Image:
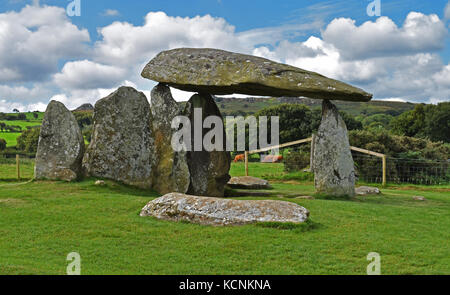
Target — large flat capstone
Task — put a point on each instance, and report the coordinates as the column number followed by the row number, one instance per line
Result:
column 61, row 145
column 219, row 212
column 221, row 72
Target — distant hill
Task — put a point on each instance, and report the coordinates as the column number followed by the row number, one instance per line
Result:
column 250, row 105
column 85, row 107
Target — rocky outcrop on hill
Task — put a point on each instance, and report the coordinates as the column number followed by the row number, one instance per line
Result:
column 84, row 107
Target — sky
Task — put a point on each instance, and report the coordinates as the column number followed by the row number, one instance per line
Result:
column 48, row 52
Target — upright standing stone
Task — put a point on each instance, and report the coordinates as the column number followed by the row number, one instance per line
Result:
column 333, row 166
column 61, row 145
column 208, row 169
column 171, row 171
column 122, row 145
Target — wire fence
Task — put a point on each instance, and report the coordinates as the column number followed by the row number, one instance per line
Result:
column 16, row 167
column 368, row 168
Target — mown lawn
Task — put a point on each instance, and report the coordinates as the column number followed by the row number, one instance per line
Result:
column 41, row 222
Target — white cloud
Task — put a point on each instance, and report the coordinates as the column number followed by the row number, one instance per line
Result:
column 125, row 44
column 346, row 53
column 8, row 107
column 86, row 74
column 33, row 40
column 420, row 33
column 23, row 93
column 391, row 61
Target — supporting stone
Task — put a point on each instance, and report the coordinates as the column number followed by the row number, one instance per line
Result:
column 334, row 172
column 208, row 169
column 122, row 145
column 171, row 173
column 61, row 145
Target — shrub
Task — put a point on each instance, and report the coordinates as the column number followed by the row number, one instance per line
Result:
column 409, row 158
column 296, row 161
column 28, row 140
column 2, row 144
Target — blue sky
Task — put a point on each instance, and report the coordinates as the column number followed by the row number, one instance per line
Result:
column 402, row 55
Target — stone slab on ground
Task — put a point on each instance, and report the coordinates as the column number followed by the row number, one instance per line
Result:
column 221, row 212
column 367, row 190
column 248, row 182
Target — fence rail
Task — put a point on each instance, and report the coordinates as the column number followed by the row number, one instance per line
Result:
column 379, row 168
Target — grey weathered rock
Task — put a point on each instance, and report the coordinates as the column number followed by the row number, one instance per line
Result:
column 419, row 198
column 215, row 211
column 367, row 190
column 171, row 173
column 61, row 145
column 122, row 145
column 248, row 182
column 333, row 166
column 221, row 72
column 100, row 183
column 208, row 169
column 84, row 107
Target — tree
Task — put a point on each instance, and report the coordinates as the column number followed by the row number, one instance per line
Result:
column 35, row 115
column 296, row 120
column 2, row 126
column 350, row 121
column 84, row 119
column 377, row 121
column 28, row 140
column 425, row 121
column 16, row 111
column 438, row 123
column 21, row 116
column 410, row 123
column 2, row 144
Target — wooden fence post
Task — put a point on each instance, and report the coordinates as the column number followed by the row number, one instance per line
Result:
column 384, row 170
column 311, row 158
column 18, row 166
column 246, row 163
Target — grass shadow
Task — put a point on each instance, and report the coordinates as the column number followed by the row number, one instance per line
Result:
column 306, row 226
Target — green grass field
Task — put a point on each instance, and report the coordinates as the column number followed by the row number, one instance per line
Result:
column 11, row 137
column 41, row 222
